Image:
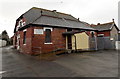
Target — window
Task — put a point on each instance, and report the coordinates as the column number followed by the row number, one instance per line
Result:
column 24, row 37
column 17, row 28
column 119, row 37
column 47, row 36
column 23, row 24
column 20, row 23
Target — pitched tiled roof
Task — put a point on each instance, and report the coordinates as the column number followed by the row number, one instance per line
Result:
column 35, row 13
column 41, row 16
column 61, row 22
column 104, row 27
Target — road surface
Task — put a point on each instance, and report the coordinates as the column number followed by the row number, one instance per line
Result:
column 87, row 64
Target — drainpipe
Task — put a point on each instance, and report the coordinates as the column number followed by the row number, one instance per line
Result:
column 96, row 42
column 75, row 42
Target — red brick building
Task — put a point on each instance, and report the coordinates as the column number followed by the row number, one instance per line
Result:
column 41, row 31
column 107, row 35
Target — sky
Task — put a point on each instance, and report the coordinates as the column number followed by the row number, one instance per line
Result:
column 90, row 11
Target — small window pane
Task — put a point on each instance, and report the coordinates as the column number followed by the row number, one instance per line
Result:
column 48, row 36
column 24, row 37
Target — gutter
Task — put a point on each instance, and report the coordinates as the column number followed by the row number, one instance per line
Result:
column 96, row 43
column 47, row 25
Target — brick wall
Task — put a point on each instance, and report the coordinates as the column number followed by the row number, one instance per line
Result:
column 26, row 48
column 14, row 40
column 36, row 42
column 58, row 40
column 106, row 33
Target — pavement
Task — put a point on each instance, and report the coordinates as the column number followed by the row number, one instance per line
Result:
column 87, row 64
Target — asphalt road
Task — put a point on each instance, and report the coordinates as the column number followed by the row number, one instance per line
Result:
column 87, row 64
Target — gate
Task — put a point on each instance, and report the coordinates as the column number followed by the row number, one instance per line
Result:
column 100, row 43
column 93, row 43
column 105, row 43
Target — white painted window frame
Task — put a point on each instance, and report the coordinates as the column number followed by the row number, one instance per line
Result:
column 48, row 43
column 24, row 31
column 48, row 28
column 51, row 31
column 100, row 35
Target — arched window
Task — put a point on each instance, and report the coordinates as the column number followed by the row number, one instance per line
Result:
column 47, row 36
column 24, row 37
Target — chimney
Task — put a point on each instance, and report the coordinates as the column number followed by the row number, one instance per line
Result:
column 98, row 24
column 54, row 10
column 92, row 25
column 113, row 20
column 78, row 19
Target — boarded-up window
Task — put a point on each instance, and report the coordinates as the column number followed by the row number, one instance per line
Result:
column 24, row 37
column 47, row 36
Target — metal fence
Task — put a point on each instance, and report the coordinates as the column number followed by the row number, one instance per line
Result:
column 105, row 43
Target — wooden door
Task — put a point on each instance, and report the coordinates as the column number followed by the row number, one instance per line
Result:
column 69, row 42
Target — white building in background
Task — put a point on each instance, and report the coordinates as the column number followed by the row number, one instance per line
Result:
column 118, row 42
column 3, row 43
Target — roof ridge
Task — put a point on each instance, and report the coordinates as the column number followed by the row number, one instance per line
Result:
column 40, row 8
column 50, row 10
column 105, row 23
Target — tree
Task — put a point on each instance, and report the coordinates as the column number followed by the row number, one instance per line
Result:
column 4, row 32
column 5, row 36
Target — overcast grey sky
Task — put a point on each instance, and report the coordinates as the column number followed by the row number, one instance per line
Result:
column 91, row 11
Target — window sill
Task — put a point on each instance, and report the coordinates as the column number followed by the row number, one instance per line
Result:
column 48, row 43
column 24, row 44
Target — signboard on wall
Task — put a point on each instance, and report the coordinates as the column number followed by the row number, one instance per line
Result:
column 38, row 31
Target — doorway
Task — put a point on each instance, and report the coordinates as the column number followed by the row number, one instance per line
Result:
column 69, row 42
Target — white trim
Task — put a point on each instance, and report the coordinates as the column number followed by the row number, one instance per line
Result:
column 112, row 26
column 23, row 24
column 48, row 28
column 21, row 20
column 24, row 30
column 48, row 43
column 91, row 32
column 100, row 35
column 24, row 44
column 111, row 39
column 18, row 36
column 20, row 23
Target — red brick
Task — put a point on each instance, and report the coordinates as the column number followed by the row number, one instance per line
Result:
column 35, row 42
